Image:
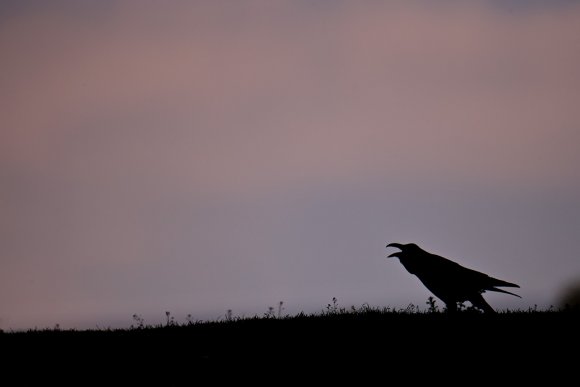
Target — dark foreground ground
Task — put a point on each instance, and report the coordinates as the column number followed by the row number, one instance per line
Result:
column 521, row 346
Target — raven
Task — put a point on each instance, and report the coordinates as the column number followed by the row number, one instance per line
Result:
column 447, row 280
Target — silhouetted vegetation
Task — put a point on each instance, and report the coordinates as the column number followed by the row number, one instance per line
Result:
column 359, row 336
column 331, row 313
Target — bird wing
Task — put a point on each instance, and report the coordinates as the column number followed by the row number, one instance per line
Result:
column 459, row 277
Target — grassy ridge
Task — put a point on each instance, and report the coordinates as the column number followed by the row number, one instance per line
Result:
column 357, row 338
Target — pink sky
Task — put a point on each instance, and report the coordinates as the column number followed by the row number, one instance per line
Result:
column 199, row 157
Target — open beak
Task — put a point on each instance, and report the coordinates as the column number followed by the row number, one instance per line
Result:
column 396, row 245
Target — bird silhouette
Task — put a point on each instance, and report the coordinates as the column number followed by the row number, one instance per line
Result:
column 449, row 281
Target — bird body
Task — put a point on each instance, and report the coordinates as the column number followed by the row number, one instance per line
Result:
column 447, row 280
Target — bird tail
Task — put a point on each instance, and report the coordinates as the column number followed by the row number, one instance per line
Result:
column 506, row 284
column 494, row 289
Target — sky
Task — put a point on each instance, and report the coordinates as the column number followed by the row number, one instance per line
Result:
column 204, row 156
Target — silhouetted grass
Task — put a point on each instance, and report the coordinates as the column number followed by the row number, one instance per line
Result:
column 331, row 314
column 357, row 336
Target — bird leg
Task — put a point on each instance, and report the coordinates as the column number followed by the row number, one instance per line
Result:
column 479, row 302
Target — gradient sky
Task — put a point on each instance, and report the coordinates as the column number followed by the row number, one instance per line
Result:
column 196, row 157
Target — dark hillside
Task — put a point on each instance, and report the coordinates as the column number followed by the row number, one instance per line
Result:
column 534, row 341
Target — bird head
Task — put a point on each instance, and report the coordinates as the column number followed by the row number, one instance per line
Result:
column 406, row 250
